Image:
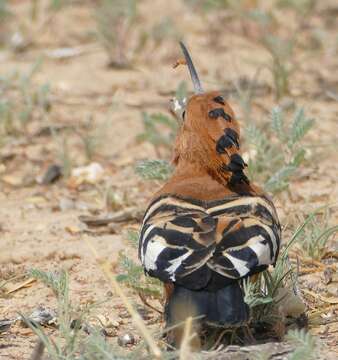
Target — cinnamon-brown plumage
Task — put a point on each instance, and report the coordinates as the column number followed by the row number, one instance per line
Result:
column 208, row 227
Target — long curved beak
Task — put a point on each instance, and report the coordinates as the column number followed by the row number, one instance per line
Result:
column 194, row 77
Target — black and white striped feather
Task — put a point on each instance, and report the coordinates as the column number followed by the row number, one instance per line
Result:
column 197, row 243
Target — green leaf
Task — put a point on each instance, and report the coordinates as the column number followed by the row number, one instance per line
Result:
column 260, row 16
column 306, row 345
column 256, row 137
column 165, row 120
column 277, row 123
column 315, row 233
column 133, row 277
column 298, row 157
column 133, row 237
column 154, row 169
column 4, row 10
column 279, row 48
column 280, row 180
column 299, row 127
column 208, row 5
column 153, row 132
column 57, row 281
column 122, row 277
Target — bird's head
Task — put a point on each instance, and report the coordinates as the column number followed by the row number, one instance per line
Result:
column 209, row 134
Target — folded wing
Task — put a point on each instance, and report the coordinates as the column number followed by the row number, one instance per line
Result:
column 184, row 242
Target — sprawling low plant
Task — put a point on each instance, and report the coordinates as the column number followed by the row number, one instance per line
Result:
column 115, row 20
column 22, row 101
column 277, row 150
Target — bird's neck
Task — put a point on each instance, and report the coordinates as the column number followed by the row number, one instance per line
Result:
column 187, row 169
column 192, row 180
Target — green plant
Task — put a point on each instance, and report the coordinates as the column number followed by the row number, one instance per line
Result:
column 53, row 5
column 132, row 237
column 281, row 67
column 75, row 339
column 93, row 137
column 245, row 91
column 252, row 296
column 70, row 341
column 306, row 345
column 133, row 274
column 315, row 235
column 275, row 153
column 207, row 5
column 154, row 169
column 58, row 4
column 4, row 11
column 66, row 345
column 152, row 132
column 302, row 7
column 163, row 31
column 159, row 130
column 21, row 101
column 281, row 49
column 56, row 281
column 115, row 20
column 263, row 295
column 5, row 17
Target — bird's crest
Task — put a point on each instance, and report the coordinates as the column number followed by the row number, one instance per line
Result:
column 209, row 134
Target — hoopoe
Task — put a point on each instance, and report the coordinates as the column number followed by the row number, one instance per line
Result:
column 208, row 227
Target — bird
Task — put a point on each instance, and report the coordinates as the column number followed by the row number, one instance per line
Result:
column 208, row 227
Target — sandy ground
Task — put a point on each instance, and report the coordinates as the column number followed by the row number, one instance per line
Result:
column 38, row 230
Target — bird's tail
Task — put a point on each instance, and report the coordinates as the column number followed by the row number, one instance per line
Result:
column 223, row 307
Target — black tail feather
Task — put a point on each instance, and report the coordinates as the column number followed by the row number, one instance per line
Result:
column 224, row 307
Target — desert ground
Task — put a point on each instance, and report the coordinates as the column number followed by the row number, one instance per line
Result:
column 67, row 99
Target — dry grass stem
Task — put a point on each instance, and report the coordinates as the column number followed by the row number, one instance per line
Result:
column 185, row 351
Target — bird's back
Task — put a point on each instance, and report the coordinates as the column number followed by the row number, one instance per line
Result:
column 208, row 244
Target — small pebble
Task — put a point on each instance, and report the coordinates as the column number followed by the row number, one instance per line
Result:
column 108, row 321
column 18, row 41
column 42, row 316
column 126, row 339
column 53, row 173
column 327, row 276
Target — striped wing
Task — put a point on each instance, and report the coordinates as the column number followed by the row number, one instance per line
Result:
column 250, row 242
column 177, row 239
column 188, row 242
